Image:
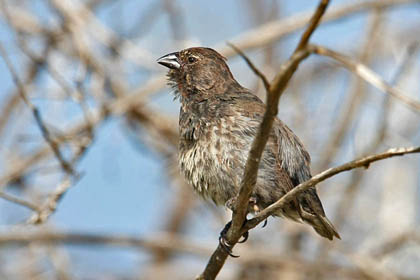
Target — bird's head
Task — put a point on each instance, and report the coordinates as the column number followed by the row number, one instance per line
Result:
column 197, row 71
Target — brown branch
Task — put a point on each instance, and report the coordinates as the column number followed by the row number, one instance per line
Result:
column 352, row 187
column 117, row 107
column 272, row 31
column 176, row 244
column 171, row 243
column 356, row 95
column 372, row 268
column 161, row 241
column 363, row 162
column 218, row 258
column 395, row 244
column 10, row 105
column 247, row 184
column 258, row 145
column 252, row 66
column 76, row 15
column 75, row 94
column 366, row 74
column 19, row 201
column 37, row 115
column 50, row 205
column 313, row 24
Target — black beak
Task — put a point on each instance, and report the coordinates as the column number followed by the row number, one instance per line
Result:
column 170, row 60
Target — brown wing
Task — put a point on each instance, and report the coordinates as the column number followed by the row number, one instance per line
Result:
column 295, row 161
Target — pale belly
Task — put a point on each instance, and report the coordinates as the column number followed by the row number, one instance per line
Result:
column 212, row 168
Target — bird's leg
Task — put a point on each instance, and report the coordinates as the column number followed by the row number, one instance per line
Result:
column 255, row 208
column 252, row 204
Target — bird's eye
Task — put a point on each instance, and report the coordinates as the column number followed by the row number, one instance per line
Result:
column 191, row 59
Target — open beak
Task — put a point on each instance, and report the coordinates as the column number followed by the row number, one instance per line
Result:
column 170, row 60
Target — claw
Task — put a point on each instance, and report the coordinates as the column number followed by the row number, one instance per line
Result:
column 225, row 245
column 245, row 237
column 225, row 229
column 265, row 223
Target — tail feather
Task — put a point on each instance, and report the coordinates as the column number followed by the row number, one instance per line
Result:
column 321, row 225
column 311, row 211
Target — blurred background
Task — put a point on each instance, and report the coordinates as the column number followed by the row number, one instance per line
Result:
column 89, row 183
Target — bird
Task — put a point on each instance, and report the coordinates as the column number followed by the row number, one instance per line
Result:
column 218, row 121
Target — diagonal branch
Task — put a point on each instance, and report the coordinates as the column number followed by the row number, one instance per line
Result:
column 50, row 205
column 273, row 96
column 363, row 162
column 37, row 115
column 249, row 178
column 19, row 201
column 366, row 74
column 313, row 24
column 252, row 66
column 42, row 213
column 272, row 31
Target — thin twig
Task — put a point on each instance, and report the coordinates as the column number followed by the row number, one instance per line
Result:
column 51, row 204
column 271, row 32
column 367, row 74
column 313, row 24
column 37, row 115
column 356, row 95
column 363, row 162
column 350, row 190
column 19, row 201
column 117, row 107
column 395, row 244
column 170, row 243
column 252, row 66
column 351, row 107
column 258, row 145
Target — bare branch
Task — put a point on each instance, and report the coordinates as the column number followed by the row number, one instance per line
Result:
column 252, row 66
column 363, row 162
column 37, row 115
column 313, row 24
column 161, row 241
column 396, row 243
column 116, row 107
column 273, row 31
column 19, row 201
column 276, row 89
column 356, row 93
column 49, row 207
column 368, row 75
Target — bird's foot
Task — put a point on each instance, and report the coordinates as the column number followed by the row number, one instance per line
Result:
column 256, row 208
column 252, row 204
column 225, row 244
